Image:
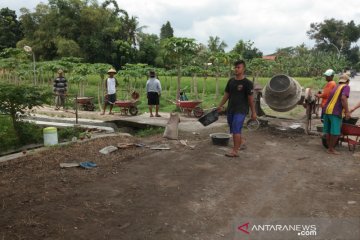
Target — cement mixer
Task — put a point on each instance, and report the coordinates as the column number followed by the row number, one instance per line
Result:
column 282, row 93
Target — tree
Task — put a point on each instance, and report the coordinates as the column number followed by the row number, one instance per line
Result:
column 246, row 50
column 218, row 60
column 215, row 45
column 334, row 35
column 18, row 98
column 180, row 50
column 148, row 48
column 166, row 31
column 10, row 29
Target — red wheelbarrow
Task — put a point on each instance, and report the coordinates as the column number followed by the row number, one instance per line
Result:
column 190, row 106
column 350, row 134
column 129, row 106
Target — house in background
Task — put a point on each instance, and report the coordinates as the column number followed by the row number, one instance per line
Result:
column 271, row 57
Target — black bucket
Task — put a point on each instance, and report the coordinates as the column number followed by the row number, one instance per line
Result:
column 221, row 139
column 352, row 120
column 209, row 118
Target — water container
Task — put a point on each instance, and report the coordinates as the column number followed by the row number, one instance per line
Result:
column 50, row 136
column 282, row 93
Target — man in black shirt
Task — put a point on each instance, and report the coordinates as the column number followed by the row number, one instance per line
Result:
column 239, row 93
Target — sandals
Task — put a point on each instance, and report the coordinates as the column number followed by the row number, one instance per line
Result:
column 231, row 154
column 157, row 115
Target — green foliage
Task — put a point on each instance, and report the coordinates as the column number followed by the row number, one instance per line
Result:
column 215, row 45
column 16, row 98
column 335, row 36
column 246, row 50
column 166, row 31
column 10, row 29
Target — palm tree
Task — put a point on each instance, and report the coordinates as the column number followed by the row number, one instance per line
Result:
column 215, row 45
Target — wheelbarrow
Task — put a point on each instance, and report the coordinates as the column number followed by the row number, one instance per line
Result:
column 86, row 103
column 350, row 134
column 190, row 107
column 129, row 106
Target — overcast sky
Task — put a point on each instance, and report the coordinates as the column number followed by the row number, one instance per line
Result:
column 270, row 24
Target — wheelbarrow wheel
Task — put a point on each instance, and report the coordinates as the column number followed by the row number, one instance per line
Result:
column 133, row 111
column 89, row 107
column 198, row 112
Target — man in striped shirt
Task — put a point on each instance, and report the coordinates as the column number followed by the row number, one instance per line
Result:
column 336, row 106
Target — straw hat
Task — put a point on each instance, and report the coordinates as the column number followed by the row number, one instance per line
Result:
column 60, row 71
column 344, row 78
column 111, row 70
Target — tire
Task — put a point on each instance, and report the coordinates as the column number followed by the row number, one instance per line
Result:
column 133, row 111
column 198, row 112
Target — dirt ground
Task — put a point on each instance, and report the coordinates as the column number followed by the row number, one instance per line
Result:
column 174, row 194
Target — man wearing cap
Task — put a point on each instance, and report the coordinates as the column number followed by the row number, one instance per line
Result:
column 153, row 92
column 330, row 85
column 110, row 86
column 336, row 105
column 60, row 89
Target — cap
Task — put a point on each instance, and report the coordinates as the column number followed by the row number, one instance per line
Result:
column 111, row 70
column 329, row 72
column 344, row 78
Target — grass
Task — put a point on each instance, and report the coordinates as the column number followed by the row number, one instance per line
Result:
column 149, row 131
column 29, row 134
column 169, row 90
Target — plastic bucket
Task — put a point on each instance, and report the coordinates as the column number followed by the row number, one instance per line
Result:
column 209, row 118
column 50, row 136
column 221, row 139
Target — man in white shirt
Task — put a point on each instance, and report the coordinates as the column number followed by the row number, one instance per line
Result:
column 110, row 85
column 153, row 92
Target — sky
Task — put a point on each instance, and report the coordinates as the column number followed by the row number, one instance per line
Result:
column 270, row 24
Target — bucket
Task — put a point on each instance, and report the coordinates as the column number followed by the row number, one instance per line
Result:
column 50, row 136
column 282, row 93
column 221, row 139
column 209, row 118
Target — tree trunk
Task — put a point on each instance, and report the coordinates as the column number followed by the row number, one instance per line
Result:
column 192, row 85
column 204, row 88
column 217, row 85
column 99, row 96
column 196, row 93
column 178, row 82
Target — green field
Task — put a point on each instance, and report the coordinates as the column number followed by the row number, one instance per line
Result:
column 169, row 89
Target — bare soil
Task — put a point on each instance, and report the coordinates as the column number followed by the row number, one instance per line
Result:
column 180, row 193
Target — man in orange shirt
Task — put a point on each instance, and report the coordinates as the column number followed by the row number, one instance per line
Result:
column 331, row 84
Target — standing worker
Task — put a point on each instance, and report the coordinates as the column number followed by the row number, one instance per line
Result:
column 110, row 85
column 239, row 92
column 153, row 92
column 60, row 89
column 330, row 85
column 336, row 105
